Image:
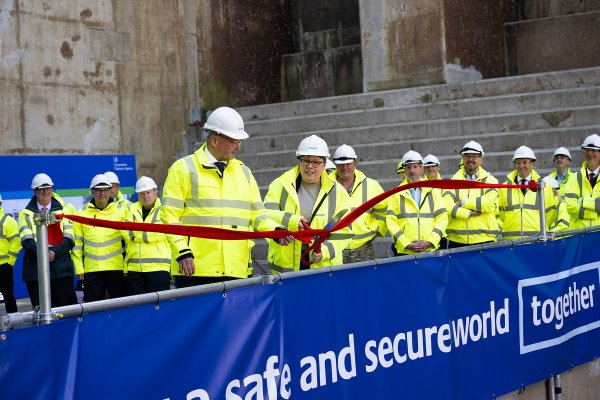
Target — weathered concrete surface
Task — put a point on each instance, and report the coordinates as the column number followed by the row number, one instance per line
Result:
column 553, row 44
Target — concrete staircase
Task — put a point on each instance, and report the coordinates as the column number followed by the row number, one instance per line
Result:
column 542, row 111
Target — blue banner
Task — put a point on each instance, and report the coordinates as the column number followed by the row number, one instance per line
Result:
column 468, row 325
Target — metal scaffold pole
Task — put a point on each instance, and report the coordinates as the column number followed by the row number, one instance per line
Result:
column 44, row 314
column 542, row 203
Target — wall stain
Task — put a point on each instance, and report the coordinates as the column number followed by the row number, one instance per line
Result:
column 66, row 51
column 47, row 71
column 75, row 38
column 85, row 14
column 50, row 119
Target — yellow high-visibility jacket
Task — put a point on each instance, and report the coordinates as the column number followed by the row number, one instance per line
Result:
column 519, row 214
column 482, row 228
column 99, row 249
column 10, row 242
column 283, row 205
column 563, row 184
column 371, row 222
column 120, row 199
column 196, row 194
column 583, row 201
column 408, row 221
column 147, row 251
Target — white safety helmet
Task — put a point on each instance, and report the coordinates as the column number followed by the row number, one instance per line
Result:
column 313, row 146
column 100, row 181
column 412, row 157
column 472, row 147
column 228, row 122
column 430, row 160
column 145, row 183
column 523, row 152
column 344, row 155
column 562, row 151
column 329, row 164
column 550, row 181
column 591, row 142
column 41, row 181
column 112, row 177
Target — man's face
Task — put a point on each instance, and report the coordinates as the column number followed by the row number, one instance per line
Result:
column 561, row 162
column 311, row 168
column 148, row 197
column 346, row 171
column 592, row 158
column 101, row 196
column 472, row 162
column 413, row 172
column 114, row 190
column 224, row 148
column 43, row 195
column 524, row 167
column 431, row 171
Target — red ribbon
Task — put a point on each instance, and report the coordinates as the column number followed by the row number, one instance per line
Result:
column 305, row 235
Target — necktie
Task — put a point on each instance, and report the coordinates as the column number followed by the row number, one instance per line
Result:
column 592, row 179
column 221, row 166
column 523, row 182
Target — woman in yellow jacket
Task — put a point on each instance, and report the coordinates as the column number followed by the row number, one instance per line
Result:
column 306, row 194
column 99, row 252
column 149, row 254
column 416, row 219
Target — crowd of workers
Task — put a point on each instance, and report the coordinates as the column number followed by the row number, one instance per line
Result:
column 212, row 188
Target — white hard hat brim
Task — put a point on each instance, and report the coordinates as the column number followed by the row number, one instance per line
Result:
column 344, row 160
column 239, row 135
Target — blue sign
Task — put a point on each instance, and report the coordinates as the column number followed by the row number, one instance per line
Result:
column 470, row 325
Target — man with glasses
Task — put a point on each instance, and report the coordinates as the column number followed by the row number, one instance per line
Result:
column 99, row 252
column 472, row 212
column 582, row 196
column 307, row 196
column 213, row 189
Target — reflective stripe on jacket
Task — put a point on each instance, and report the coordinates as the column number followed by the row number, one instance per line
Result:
column 283, row 205
column 99, row 249
column 196, row 194
column 10, row 242
column 470, row 230
column 147, row 251
column 408, row 221
column 519, row 213
column 583, row 201
column 371, row 222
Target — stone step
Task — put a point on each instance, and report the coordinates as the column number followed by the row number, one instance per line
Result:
column 467, row 127
column 506, row 104
column 426, row 94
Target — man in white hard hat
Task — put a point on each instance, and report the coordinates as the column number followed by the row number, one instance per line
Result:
column 472, row 212
column 519, row 208
column 581, row 193
column 562, row 160
column 212, row 188
column 98, row 252
column 416, row 218
column 44, row 200
column 307, row 195
column 148, row 261
column 431, row 165
column 360, row 189
column 10, row 245
column 115, row 192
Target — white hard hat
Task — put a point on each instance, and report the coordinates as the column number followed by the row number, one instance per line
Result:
column 524, row 152
column 550, row 181
column 313, row 146
column 591, row 142
column 41, row 181
column 412, row 157
column 561, row 151
column 344, row 155
column 228, row 122
column 430, row 160
column 112, row 177
column 329, row 164
column 145, row 183
column 472, row 147
column 100, row 181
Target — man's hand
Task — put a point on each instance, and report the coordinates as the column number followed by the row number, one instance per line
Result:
column 419, row 246
column 187, row 267
column 284, row 241
column 51, row 255
column 474, row 214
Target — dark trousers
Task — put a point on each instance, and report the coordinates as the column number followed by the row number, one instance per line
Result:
column 148, row 282
column 96, row 284
column 62, row 292
column 455, row 245
column 187, row 281
column 7, row 287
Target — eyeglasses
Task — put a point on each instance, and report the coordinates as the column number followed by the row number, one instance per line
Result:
column 471, row 155
column 230, row 140
column 315, row 164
